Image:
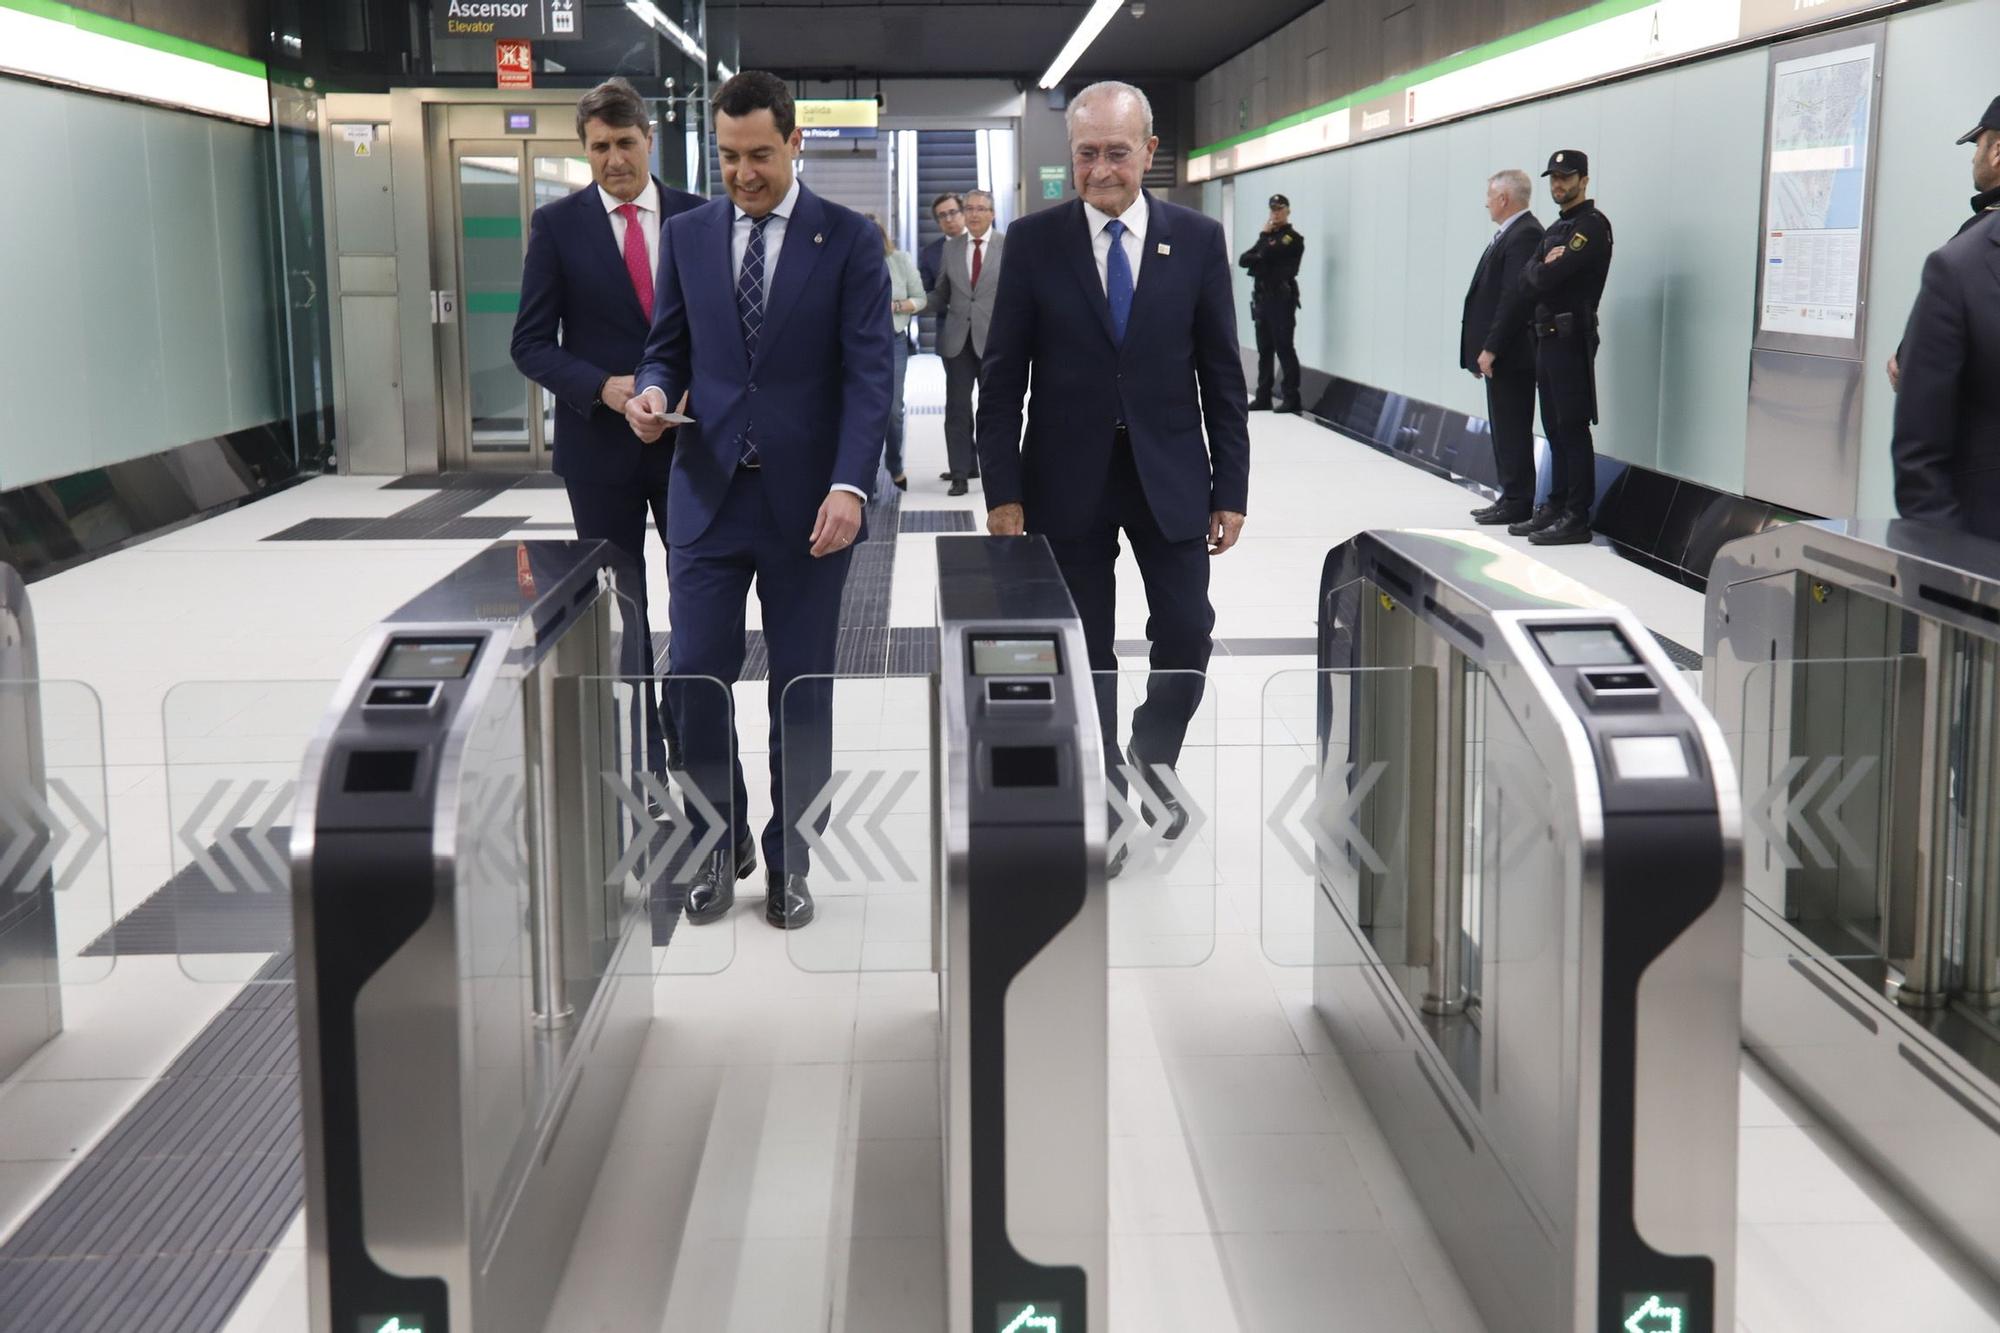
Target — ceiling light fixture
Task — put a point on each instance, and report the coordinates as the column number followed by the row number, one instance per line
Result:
column 724, row 70
column 1079, row 41
column 649, row 13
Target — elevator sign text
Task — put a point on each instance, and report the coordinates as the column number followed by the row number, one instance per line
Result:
column 529, row 20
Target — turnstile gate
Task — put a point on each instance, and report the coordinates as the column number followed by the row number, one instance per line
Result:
column 1022, row 945
column 1527, row 945
column 30, row 986
column 1855, row 666
column 472, row 983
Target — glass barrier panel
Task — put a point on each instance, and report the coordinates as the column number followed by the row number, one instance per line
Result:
column 234, row 751
column 858, row 782
column 1827, row 756
column 1165, row 825
column 57, row 842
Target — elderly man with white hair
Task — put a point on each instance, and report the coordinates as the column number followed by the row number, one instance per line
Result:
column 1119, row 306
column 1494, row 342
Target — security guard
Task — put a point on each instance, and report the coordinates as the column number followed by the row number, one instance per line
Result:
column 1567, row 279
column 1274, row 302
column 1986, row 182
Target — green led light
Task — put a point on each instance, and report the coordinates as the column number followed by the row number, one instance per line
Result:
column 395, row 1323
column 1656, row 1314
column 1027, row 1319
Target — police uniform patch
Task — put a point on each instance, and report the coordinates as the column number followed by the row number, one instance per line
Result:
column 1286, row 241
column 1577, row 241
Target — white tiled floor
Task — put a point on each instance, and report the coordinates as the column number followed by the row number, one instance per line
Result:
column 776, row 1166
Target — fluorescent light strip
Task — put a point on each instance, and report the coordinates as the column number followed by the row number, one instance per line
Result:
column 649, row 12
column 50, row 49
column 724, row 70
column 1079, row 41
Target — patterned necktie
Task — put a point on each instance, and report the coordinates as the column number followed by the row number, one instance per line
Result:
column 750, row 308
column 1118, row 279
column 977, row 254
column 636, row 265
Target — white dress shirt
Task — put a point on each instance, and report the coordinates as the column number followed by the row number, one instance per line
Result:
column 649, row 218
column 1512, row 218
column 1134, row 239
column 774, row 242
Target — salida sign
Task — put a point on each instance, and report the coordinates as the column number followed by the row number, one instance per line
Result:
column 532, row 20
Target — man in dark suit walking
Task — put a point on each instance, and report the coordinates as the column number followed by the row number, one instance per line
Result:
column 1494, row 343
column 773, row 318
column 962, row 298
column 948, row 211
column 1120, row 306
column 586, row 306
column 1946, row 444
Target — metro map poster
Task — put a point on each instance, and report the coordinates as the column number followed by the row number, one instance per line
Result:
column 1816, row 193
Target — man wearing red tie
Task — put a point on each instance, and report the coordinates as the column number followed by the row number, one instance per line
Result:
column 968, row 276
column 586, row 307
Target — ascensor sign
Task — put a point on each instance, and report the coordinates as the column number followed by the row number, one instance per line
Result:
column 536, row 20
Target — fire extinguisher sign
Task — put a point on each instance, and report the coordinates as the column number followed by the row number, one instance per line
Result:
column 514, row 60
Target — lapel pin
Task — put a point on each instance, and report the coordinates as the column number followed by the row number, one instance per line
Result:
column 1166, row 249
column 818, row 238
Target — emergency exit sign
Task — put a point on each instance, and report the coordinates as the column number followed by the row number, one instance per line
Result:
column 514, row 63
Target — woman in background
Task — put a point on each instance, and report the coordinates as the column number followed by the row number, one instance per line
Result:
column 906, row 298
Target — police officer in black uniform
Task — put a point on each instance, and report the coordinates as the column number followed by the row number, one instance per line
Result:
column 1986, row 181
column 1567, row 280
column 1274, row 302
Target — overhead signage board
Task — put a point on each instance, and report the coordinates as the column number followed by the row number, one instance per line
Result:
column 838, row 117
column 491, row 20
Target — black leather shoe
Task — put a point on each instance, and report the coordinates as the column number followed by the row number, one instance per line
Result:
column 944, row 476
column 958, row 487
column 1177, row 815
column 788, row 904
column 1508, row 514
column 713, row 892
column 902, row 482
column 1570, row 530
column 1260, row 404
column 1288, row 410
column 1534, row 522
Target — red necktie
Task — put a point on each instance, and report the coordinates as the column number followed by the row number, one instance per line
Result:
column 977, row 255
column 636, row 265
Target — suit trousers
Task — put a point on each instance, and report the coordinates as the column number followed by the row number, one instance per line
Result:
column 617, row 514
column 1179, row 617
column 1276, row 330
column 1565, row 372
column 961, row 377
column 800, row 600
column 1510, row 412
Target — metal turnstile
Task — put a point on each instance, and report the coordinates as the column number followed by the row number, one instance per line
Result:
column 1856, row 667
column 1022, row 941
column 473, row 984
column 30, row 985
column 1527, row 946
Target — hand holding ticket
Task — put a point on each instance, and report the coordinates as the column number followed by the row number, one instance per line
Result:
column 648, row 416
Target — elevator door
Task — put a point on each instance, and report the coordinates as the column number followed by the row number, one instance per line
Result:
column 494, row 416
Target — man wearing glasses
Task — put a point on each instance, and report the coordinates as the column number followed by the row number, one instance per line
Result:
column 962, row 298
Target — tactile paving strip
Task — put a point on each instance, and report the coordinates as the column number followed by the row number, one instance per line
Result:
column 937, row 520
column 163, row 1225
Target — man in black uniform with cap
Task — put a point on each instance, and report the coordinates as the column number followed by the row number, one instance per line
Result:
column 1274, row 302
column 1567, row 280
column 1986, row 200
column 1946, row 444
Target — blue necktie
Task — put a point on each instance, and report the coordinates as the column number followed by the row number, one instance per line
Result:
column 750, row 309
column 1118, row 279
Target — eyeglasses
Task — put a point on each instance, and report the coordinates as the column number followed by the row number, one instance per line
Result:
column 979, row 208
column 1090, row 157
column 944, row 213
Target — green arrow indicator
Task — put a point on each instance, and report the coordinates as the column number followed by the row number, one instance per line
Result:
column 1655, row 1316
column 1029, row 1322
column 395, row 1325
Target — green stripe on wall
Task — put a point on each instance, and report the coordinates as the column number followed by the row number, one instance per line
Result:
column 138, row 36
column 1541, row 32
column 492, row 228
column 493, row 303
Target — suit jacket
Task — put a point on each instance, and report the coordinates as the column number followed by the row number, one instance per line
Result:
column 1178, row 369
column 1947, row 438
column 1498, row 303
column 817, row 394
column 967, row 310
column 580, row 322
column 929, row 259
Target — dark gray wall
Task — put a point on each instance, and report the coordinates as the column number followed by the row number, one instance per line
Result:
column 1340, row 46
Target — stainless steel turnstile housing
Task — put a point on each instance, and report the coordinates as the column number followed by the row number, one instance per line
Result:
column 1022, row 941
column 1532, row 968
column 1857, row 665
column 30, row 987
column 473, row 986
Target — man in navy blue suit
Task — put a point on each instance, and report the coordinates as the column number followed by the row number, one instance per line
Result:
column 586, row 306
column 773, row 319
column 1119, row 304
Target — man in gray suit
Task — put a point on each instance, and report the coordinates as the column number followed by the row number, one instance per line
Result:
column 968, row 278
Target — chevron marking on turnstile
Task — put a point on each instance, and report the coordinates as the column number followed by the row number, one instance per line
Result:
column 648, row 826
column 1135, row 830
column 1029, row 1322
column 1329, row 818
column 841, row 823
column 268, row 872
column 497, row 847
column 1780, row 811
